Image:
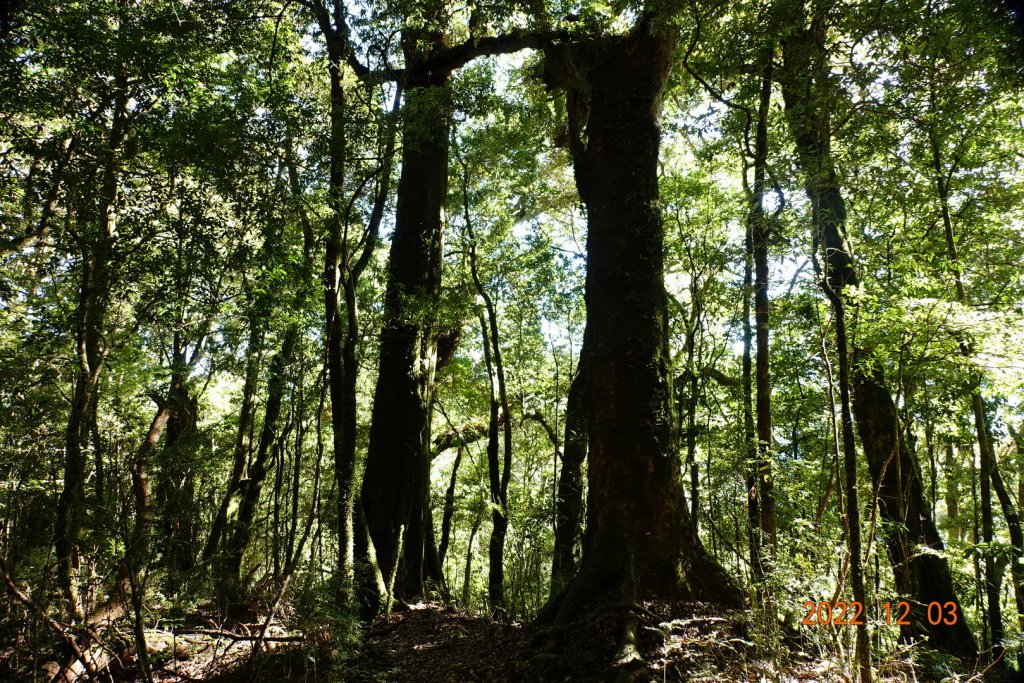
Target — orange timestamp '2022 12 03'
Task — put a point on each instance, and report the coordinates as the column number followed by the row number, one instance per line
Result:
column 852, row 613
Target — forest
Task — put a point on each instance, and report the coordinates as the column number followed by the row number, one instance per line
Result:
column 511, row 340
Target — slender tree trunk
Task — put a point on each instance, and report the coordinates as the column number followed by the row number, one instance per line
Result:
column 569, row 504
column 985, row 475
column 803, row 89
column 136, row 553
column 449, row 508
column 499, row 473
column 243, row 439
column 986, row 449
column 1016, row 540
column 692, row 400
column 334, row 316
column 640, row 540
column 951, row 469
column 468, row 574
column 499, row 525
column 760, row 233
column 749, row 435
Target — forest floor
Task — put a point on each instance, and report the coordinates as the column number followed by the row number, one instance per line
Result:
column 434, row 643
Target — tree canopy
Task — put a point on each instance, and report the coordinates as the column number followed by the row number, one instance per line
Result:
column 596, row 340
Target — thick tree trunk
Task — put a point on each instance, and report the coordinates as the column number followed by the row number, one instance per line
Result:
column 569, row 505
column 639, row 540
column 396, row 483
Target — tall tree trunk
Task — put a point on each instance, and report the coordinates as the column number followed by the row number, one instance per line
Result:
column 343, row 266
column 749, row 435
column 639, row 540
column 499, row 472
column 569, row 505
column 94, row 298
column 803, row 90
column 396, row 483
column 334, row 318
column 760, row 498
column 760, row 234
column 924, row 577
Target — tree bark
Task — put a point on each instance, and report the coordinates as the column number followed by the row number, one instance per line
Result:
column 760, row 234
column 97, row 246
column 395, row 490
column 569, row 505
column 639, row 540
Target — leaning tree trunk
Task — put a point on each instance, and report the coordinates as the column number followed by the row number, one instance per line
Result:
column 396, row 483
column 914, row 545
column 921, row 576
column 639, row 541
column 238, row 531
